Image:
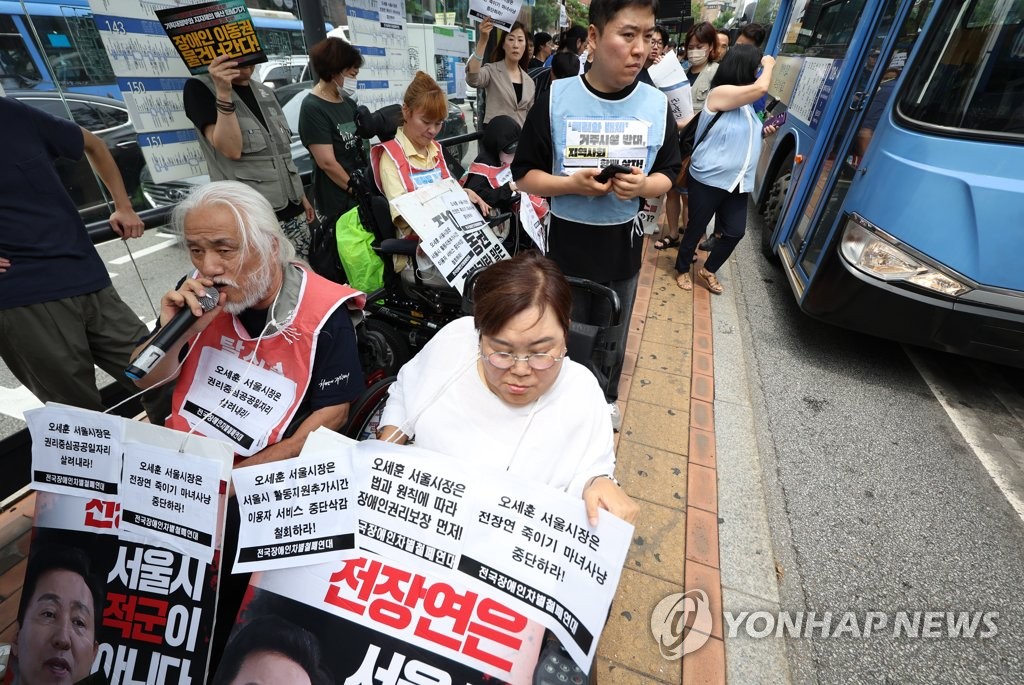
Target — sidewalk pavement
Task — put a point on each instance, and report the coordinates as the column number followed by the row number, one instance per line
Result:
column 702, row 523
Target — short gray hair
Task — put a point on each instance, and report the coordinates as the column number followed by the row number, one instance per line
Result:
column 257, row 223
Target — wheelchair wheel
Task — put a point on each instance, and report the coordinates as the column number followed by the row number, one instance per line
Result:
column 364, row 415
column 387, row 349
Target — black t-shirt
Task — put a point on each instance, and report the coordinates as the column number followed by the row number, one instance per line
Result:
column 42, row 234
column 332, row 123
column 599, row 253
column 201, row 109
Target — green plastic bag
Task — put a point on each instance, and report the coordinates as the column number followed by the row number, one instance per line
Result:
column 363, row 266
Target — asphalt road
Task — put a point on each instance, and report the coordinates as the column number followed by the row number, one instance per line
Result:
column 883, row 489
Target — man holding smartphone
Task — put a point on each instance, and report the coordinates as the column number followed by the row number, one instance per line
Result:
column 589, row 122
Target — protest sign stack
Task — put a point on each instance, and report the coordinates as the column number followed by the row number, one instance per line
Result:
column 424, row 568
column 451, row 573
column 148, row 519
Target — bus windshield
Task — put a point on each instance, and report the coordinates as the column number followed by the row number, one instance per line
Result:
column 821, row 29
column 970, row 75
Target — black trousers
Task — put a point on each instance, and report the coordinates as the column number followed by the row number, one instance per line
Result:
column 729, row 209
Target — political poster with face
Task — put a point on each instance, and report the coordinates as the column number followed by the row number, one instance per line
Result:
column 137, row 606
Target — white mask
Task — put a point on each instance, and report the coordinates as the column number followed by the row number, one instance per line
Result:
column 697, row 57
column 506, row 158
column 347, row 88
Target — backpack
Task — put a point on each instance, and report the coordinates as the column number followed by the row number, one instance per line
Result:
column 323, row 251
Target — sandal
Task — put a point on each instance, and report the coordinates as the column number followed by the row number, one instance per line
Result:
column 712, row 281
column 708, row 243
column 684, row 282
column 666, row 242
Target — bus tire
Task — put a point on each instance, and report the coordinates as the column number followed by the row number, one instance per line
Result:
column 387, row 349
column 773, row 205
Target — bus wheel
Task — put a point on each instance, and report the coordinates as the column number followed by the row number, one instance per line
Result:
column 773, row 205
column 387, row 349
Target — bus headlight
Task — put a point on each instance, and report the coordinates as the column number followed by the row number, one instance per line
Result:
column 869, row 253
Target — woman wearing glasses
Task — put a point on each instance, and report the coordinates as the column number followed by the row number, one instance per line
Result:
column 497, row 388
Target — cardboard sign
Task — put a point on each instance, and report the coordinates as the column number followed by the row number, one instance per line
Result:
column 297, row 512
column 495, row 531
column 202, row 32
column 670, row 78
column 502, row 12
column 75, row 451
column 452, row 233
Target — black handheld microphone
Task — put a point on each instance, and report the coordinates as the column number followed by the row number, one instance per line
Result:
column 168, row 335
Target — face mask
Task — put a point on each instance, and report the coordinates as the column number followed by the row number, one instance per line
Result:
column 506, row 158
column 347, row 88
column 697, row 57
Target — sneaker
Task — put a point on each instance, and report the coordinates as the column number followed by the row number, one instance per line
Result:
column 616, row 416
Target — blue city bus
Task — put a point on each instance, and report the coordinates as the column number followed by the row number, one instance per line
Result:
column 893, row 192
column 49, row 43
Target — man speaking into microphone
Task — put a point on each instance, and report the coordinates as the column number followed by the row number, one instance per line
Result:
column 274, row 359
column 276, row 355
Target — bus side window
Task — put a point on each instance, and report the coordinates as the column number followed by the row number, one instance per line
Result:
column 17, row 70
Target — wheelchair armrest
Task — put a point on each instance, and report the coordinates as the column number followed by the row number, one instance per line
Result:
column 400, row 246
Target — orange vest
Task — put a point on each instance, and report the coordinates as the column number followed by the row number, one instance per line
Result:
column 252, row 404
column 409, row 174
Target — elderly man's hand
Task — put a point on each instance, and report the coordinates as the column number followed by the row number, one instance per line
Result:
column 188, row 295
column 603, row 493
column 5, row 264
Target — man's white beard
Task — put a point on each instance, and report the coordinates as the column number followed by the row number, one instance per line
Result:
column 255, row 290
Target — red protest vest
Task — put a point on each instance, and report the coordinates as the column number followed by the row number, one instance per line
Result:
column 252, row 413
column 405, row 168
column 487, row 171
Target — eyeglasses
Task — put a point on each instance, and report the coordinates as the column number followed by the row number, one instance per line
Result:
column 539, row 361
column 656, row 42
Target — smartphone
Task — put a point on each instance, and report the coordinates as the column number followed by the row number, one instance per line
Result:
column 610, row 171
column 775, row 120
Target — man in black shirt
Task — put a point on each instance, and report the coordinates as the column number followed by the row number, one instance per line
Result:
column 593, row 224
column 245, row 137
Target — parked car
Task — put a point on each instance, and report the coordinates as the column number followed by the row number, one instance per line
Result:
column 290, row 98
column 281, row 71
column 109, row 120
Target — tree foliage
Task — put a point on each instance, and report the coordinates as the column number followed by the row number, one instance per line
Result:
column 722, row 19
column 545, row 16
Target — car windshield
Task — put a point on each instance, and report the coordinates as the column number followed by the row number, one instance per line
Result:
column 970, row 74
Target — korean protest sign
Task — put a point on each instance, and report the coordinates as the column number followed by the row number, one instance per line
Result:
column 202, row 32
column 649, row 214
column 596, row 143
column 75, row 451
column 670, row 77
column 502, row 12
column 297, row 511
column 153, row 603
column 534, row 225
column 497, row 532
column 451, row 230
column 393, row 624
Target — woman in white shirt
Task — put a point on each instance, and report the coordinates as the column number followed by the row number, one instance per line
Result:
column 498, row 388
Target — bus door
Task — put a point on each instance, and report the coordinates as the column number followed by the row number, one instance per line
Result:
column 873, row 87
